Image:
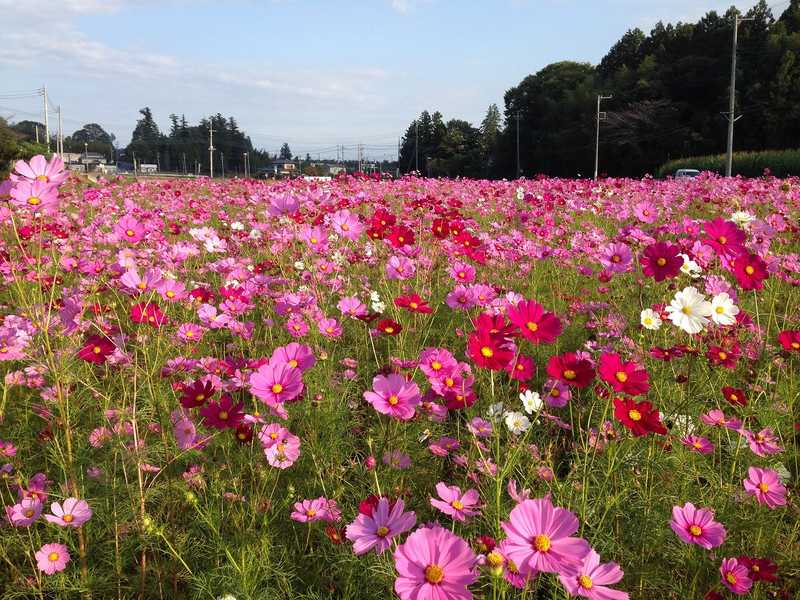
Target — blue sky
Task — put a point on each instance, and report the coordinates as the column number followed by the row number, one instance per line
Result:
column 311, row 72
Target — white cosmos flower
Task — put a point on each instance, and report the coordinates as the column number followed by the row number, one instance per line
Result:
column 690, row 268
column 255, row 234
column 299, row 265
column 689, row 310
column 495, row 410
column 378, row 307
column 650, row 319
column 517, row 422
column 742, row 218
column 531, row 401
column 723, row 310
column 237, row 226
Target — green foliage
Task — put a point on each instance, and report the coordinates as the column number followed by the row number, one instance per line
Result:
column 780, row 163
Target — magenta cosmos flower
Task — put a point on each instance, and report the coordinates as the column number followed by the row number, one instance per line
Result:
column 766, row 486
column 52, row 558
column 35, row 196
column 73, row 513
column 762, row 443
column 308, row 511
column 697, row 526
column 394, row 396
column 297, row 356
column 377, row 529
column 276, row 383
column 735, row 576
column 129, row 229
column 39, row 169
column 24, row 513
column 454, row 503
column 592, row 579
column 434, row 564
column 281, row 447
column 539, row 538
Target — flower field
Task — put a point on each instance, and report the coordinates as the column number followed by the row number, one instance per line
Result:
column 424, row 389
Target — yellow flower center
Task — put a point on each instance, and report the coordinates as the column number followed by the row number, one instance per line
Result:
column 555, row 393
column 68, row 518
column 723, row 355
column 457, row 504
column 223, row 415
column 532, row 326
column 389, row 329
column 130, row 233
column 311, row 512
column 29, row 513
column 141, row 285
column 621, row 376
column 170, row 294
column 276, row 388
column 570, row 374
column 449, row 382
column 436, row 365
column 795, row 345
column 487, row 352
column 314, row 240
column 661, row 261
column 273, row 435
column 722, row 239
column 541, row 543
column 634, row 415
column 749, row 270
column 695, row 530
column 52, row 557
column 763, row 487
column 382, row 531
column 189, row 333
column 434, row 574
column 731, row 578
column 494, row 559
column 585, row 582
column 615, row 258
column 43, row 178
column 292, row 363
column 34, row 201
column 414, row 305
column 329, row 330
column 720, row 310
column 393, row 399
column 97, row 349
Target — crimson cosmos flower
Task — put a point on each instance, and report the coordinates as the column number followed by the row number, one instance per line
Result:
column 638, row 417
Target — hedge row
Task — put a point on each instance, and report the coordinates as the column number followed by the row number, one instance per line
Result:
column 781, row 163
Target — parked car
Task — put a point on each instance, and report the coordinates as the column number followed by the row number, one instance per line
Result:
column 683, row 173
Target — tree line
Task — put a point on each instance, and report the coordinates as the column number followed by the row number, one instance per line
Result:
column 670, row 89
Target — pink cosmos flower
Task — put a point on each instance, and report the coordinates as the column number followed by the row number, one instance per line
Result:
column 697, row 526
column 394, row 396
column 308, row 511
column 73, row 513
column 717, row 418
column 399, row 268
column 434, row 564
column 616, row 258
column 454, row 503
column 185, row 433
column 171, row 290
column 463, row 272
column 275, row 384
column 517, row 495
column 375, row 531
column 437, row 363
column 52, row 558
column 35, row 196
column 762, row 443
column 698, row 443
column 129, row 229
column 296, row 356
column 556, row 393
column 347, row 224
column 397, row 460
column 352, row 306
column 50, row 172
column 329, row 328
column 591, row 580
column 281, row 447
column 480, row 427
column 315, row 237
column 189, row 332
column 766, row 486
column 735, row 576
column 24, row 513
column 539, row 537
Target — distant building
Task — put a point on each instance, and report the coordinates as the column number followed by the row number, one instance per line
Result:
column 334, row 170
column 146, row 168
column 282, row 168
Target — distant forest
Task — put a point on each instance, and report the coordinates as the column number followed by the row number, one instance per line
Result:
column 670, row 89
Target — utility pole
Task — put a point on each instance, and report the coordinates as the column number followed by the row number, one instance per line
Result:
column 222, row 163
column 184, row 163
column 46, row 120
column 60, row 142
column 37, row 133
column 600, row 98
column 732, row 104
column 244, row 155
column 519, row 170
column 211, row 149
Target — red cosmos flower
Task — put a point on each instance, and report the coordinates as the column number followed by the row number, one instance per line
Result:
column 414, row 303
column 223, row 414
column 369, row 504
column 457, row 400
column 639, row 417
column 790, row 340
column 201, row 294
column 661, row 261
column 726, row 357
column 196, row 394
column 440, row 228
column 400, row 236
column 336, row 536
column 522, row 369
column 382, row 219
column 761, row 569
column 244, row 433
column 628, row 378
column 149, row 313
column 495, row 325
column 569, row 369
column 484, row 544
column 724, row 236
column 389, row 327
column 96, row 349
column 534, row 323
column 488, row 351
column 735, row 396
column 467, row 240
column 750, row 271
